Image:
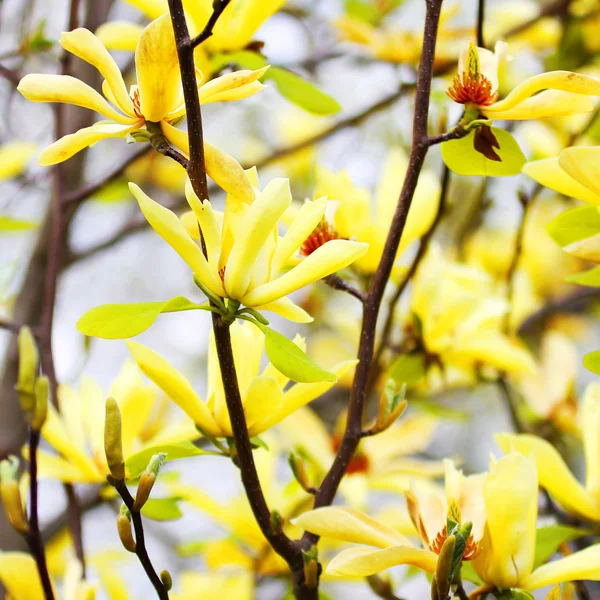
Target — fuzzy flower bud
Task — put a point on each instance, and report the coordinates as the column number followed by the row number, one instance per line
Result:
column 147, row 480
column 124, row 529
column 40, row 411
column 11, row 494
column 29, row 360
column 113, row 445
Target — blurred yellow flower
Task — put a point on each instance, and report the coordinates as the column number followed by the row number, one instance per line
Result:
column 156, row 99
column 214, row 586
column 77, row 432
column 357, row 218
column 14, row 157
column 245, row 252
column 265, row 397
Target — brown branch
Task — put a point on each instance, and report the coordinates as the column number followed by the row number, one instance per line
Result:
column 218, row 7
column 480, row 23
column 337, row 283
column 550, row 10
column 167, row 150
column 353, row 431
column 10, row 75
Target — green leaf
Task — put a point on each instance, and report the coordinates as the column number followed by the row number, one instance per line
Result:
column 137, row 463
column 291, row 361
column 438, row 410
column 258, row 442
column 10, row 225
column 591, row 361
column 38, row 42
column 162, row 509
column 363, row 11
column 407, row 368
column 461, row 157
column 550, row 537
column 120, row 321
column 590, row 278
column 468, row 572
column 575, row 225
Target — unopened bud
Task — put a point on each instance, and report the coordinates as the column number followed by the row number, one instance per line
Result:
column 113, row 446
column 381, row 585
column 147, row 480
column 434, row 588
column 391, row 405
column 124, row 529
column 276, row 521
column 311, row 574
column 296, row 463
column 11, row 494
column 444, row 566
column 29, row 360
column 166, row 579
column 40, row 412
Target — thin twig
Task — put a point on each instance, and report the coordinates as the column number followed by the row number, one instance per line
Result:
column 353, row 431
column 10, row 325
column 480, row 23
column 337, row 283
column 10, row 75
column 167, row 150
column 218, row 7
column 140, row 540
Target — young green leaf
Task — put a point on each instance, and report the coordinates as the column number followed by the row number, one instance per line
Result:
column 121, row 321
column 407, row 368
column 461, row 156
column 550, row 538
column 591, row 361
column 289, row 360
column 577, row 231
column 590, row 278
column 162, row 509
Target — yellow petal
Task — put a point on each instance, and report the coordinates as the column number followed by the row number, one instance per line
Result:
column 157, row 67
column 581, row 163
column 84, row 44
column 262, row 397
column 508, row 545
column 549, row 173
column 20, row 577
column 362, row 562
column 582, row 565
column 590, row 425
column 55, row 467
column 227, row 173
column 554, row 80
column 68, row 90
column 285, row 308
column 232, row 86
column 304, row 223
column 554, row 474
column 301, row 394
column 168, row 226
column 14, row 157
column 174, row 384
column 151, row 8
column 112, row 583
column 69, row 145
column 202, row 502
column 350, row 525
column 259, row 224
column 329, row 258
column 120, row 35
column 587, row 248
column 549, row 103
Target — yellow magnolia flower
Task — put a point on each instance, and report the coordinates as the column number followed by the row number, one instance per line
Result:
column 266, row 399
column 77, row 432
column 14, row 157
column 561, row 93
column 554, row 473
column 234, row 29
column 19, row 576
column 502, row 506
column 385, row 461
column 357, row 218
column 214, row 586
column 156, row 99
column 158, row 170
column 461, row 317
column 245, row 252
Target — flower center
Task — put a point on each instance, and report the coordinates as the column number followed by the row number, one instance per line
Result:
column 473, row 88
column 321, row 234
column 359, row 463
column 472, row 549
column 135, row 98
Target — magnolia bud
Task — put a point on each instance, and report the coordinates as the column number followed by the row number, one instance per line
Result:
column 434, row 588
column 11, row 494
column 113, row 446
column 124, row 529
column 444, row 566
column 29, row 360
column 166, row 579
column 391, row 405
column 296, row 463
column 147, row 480
column 40, row 412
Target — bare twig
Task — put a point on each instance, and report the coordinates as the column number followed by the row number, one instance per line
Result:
column 218, row 7
column 337, row 283
column 10, row 75
column 480, row 23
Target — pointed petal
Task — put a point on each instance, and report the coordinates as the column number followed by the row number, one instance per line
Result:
column 262, row 397
column 174, row 384
column 582, row 565
column 549, row 173
column 581, row 163
column 168, row 226
column 202, row 502
column 329, row 258
column 120, row 35
column 554, row 80
column 259, row 224
column 232, row 86
column 20, row 577
column 590, row 424
column 349, row 525
column 57, row 468
column 151, row 8
column 68, row 90
column 157, row 67
column 554, row 474
column 546, row 104
column 362, row 562
column 285, row 308
column 14, row 158
column 69, row 145
column 85, row 45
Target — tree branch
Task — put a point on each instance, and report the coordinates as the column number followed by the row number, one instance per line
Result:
column 337, row 283
column 353, row 431
column 218, row 7
column 480, row 22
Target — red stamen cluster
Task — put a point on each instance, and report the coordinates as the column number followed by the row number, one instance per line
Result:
column 137, row 109
column 474, row 89
column 472, row 549
column 359, row 463
column 321, row 234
